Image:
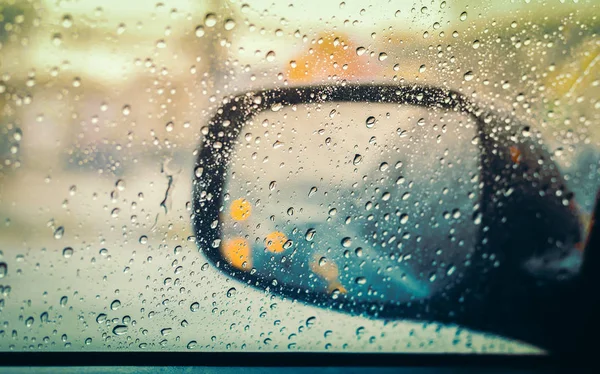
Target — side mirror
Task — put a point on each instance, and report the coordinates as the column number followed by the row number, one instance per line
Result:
column 396, row 202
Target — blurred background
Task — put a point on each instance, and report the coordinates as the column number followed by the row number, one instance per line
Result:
column 103, row 105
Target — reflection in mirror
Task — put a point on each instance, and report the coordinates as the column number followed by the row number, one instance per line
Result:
column 363, row 202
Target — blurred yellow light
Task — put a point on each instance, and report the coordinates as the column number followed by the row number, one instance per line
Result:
column 237, row 253
column 241, row 209
column 275, row 241
column 332, row 55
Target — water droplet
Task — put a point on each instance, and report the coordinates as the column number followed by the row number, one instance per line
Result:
column 477, row 216
column 198, row 171
column 210, row 20
column 476, row 44
column 361, row 280
column 199, row 31
column 115, row 212
column 370, row 122
column 270, row 56
column 322, row 261
column 229, row 24
column 360, row 51
column 312, row 191
column 63, row 301
column 360, row 331
column 468, row 76
column 169, row 126
column 143, row 239
column 120, row 184
column 116, row 304
column 166, row 331
column 67, row 252
column 357, row 159
column 57, row 39
column 126, row 110
column 463, row 16
column 59, row 232
column 231, row 292
column 29, row 322
column 421, row 122
column 194, row 307
column 310, row 234
column 120, row 330
column 451, row 270
column 346, row 242
column 88, row 341
column 404, row 218
column 67, row 21
column 101, row 318
column 383, row 56
column 192, row 344
column 290, row 211
column 310, row 321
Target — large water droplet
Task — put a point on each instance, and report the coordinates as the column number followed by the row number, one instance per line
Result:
column 116, row 304
column 210, row 20
column 192, row 344
column 231, row 292
column 166, row 331
column 3, row 269
column 67, row 21
column 120, row 330
column 229, row 24
column 59, row 232
column 370, row 122
column 310, row 234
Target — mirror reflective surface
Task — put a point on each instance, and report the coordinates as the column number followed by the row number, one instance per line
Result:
column 363, row 202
